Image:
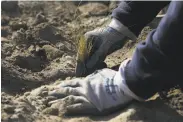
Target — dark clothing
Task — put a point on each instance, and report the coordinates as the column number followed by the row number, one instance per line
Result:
column 137, row 14
column 156, row 62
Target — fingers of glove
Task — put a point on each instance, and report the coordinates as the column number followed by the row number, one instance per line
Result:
column 71, row 83
column 69, row 100
column 58, row 93
column 63, row 92
column 94, row 32
column 85, row 108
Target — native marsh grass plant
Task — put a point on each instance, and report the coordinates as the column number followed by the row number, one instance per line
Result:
column 84, row 49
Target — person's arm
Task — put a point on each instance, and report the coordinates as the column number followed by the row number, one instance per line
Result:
column 128, row 20
column 157, row 61
column 137, row 14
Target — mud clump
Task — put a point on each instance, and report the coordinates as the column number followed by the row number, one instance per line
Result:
column 48, row 33
column 29, row 62
column 52, row 52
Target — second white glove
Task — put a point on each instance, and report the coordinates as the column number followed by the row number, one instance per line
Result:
column 103, row 91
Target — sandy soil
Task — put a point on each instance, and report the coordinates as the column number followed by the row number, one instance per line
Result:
column 38, row 51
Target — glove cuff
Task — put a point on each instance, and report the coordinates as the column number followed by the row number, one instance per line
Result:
column 120, row 78
column 117, row 25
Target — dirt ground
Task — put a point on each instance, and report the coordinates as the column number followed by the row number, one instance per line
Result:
column 38, row 51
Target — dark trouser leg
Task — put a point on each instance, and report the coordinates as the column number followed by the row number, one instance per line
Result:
column 137, row 14
column 158, row 61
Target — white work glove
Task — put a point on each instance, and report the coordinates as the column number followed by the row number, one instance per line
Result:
column 108, row 40
column 102, row 92
column 104, row 41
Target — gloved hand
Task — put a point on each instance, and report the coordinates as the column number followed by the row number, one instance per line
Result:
column 103, row 41
column 100, row 43
column 102, row 92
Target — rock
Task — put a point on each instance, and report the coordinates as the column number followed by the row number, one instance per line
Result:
column 93, row 9
column 52, row 52
column 17, row 25
column 51, row 111
column 9, row 6
column 9, row 108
